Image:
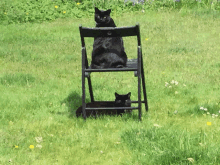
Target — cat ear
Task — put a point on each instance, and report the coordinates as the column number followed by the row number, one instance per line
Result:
column 108, row 11
column 129, row 94
column 96, row 10
column 116, row 95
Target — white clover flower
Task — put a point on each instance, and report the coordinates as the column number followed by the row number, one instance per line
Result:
column 201, row 108
column 176, row 83
column 156, row 125
column 166, row 84
column 170, row 86
column 172, row 82
column 175, row 112
column 205, row 109
column 39, row 146
column 190, row 160
column 218, row 111
column 216, row 115
column 208, row 113
column 38, row 139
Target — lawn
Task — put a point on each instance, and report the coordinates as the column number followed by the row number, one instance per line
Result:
column 40, row 86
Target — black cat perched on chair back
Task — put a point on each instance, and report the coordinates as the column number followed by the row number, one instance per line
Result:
column 120, row 101
column 108, row 52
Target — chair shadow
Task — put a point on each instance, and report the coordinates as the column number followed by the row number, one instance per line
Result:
column 73, row 101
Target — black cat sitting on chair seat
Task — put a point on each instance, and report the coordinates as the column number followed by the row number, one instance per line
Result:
column 108, row 52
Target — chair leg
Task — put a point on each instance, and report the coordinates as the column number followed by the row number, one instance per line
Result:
column 139, row 83
column 90, row 89
column 144, row 87
column 139, row 96
column 83, row 95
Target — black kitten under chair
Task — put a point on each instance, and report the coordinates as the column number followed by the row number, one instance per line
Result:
column 120, row 101
column 108, row 55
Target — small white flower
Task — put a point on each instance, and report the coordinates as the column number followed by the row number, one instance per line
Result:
column 175, row 112
column 172, row 82
column 166, row 84
column 176, row 83
column 190, row 159
column 201, row 144
column 218, row 111
column 176, row 92
column 184, row 85
column 205, row 109
column 216, row 115
column 39, row 146
column 156, row 125
column 208, row 113
column 170, row 86
column 38, row 139
column 101, row 152
column 201, row 108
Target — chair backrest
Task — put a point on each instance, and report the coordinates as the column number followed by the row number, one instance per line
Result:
column 110, row 32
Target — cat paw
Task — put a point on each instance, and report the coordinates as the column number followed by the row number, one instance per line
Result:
column 119, row 66
column 96, row 66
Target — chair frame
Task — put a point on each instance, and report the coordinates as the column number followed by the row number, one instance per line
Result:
column 139, row 70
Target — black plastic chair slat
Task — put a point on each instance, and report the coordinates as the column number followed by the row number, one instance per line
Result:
column 112, row 108
column 110, row 32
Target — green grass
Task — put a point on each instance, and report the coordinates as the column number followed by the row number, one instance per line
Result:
column 40, row 86
column 23, row 11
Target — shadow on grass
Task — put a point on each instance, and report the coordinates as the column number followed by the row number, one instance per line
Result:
column 73, row 101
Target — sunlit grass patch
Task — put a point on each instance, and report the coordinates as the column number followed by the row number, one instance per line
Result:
column 167, row 145
column 206, row 109
column 17, row 79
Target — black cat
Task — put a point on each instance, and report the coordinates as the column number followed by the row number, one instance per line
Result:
column 120, row 101
column 108, row 52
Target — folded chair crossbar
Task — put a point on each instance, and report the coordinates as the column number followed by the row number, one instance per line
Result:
column 111, row 70
column 111, row 108
column 110, row 31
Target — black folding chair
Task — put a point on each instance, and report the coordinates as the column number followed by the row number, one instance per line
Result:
column 135, row 65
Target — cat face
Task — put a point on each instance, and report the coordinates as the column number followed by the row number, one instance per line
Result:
column 102, row 17
column 122, row 100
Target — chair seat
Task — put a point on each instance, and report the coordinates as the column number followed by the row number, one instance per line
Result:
column 131, row 66
column 131, row 63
